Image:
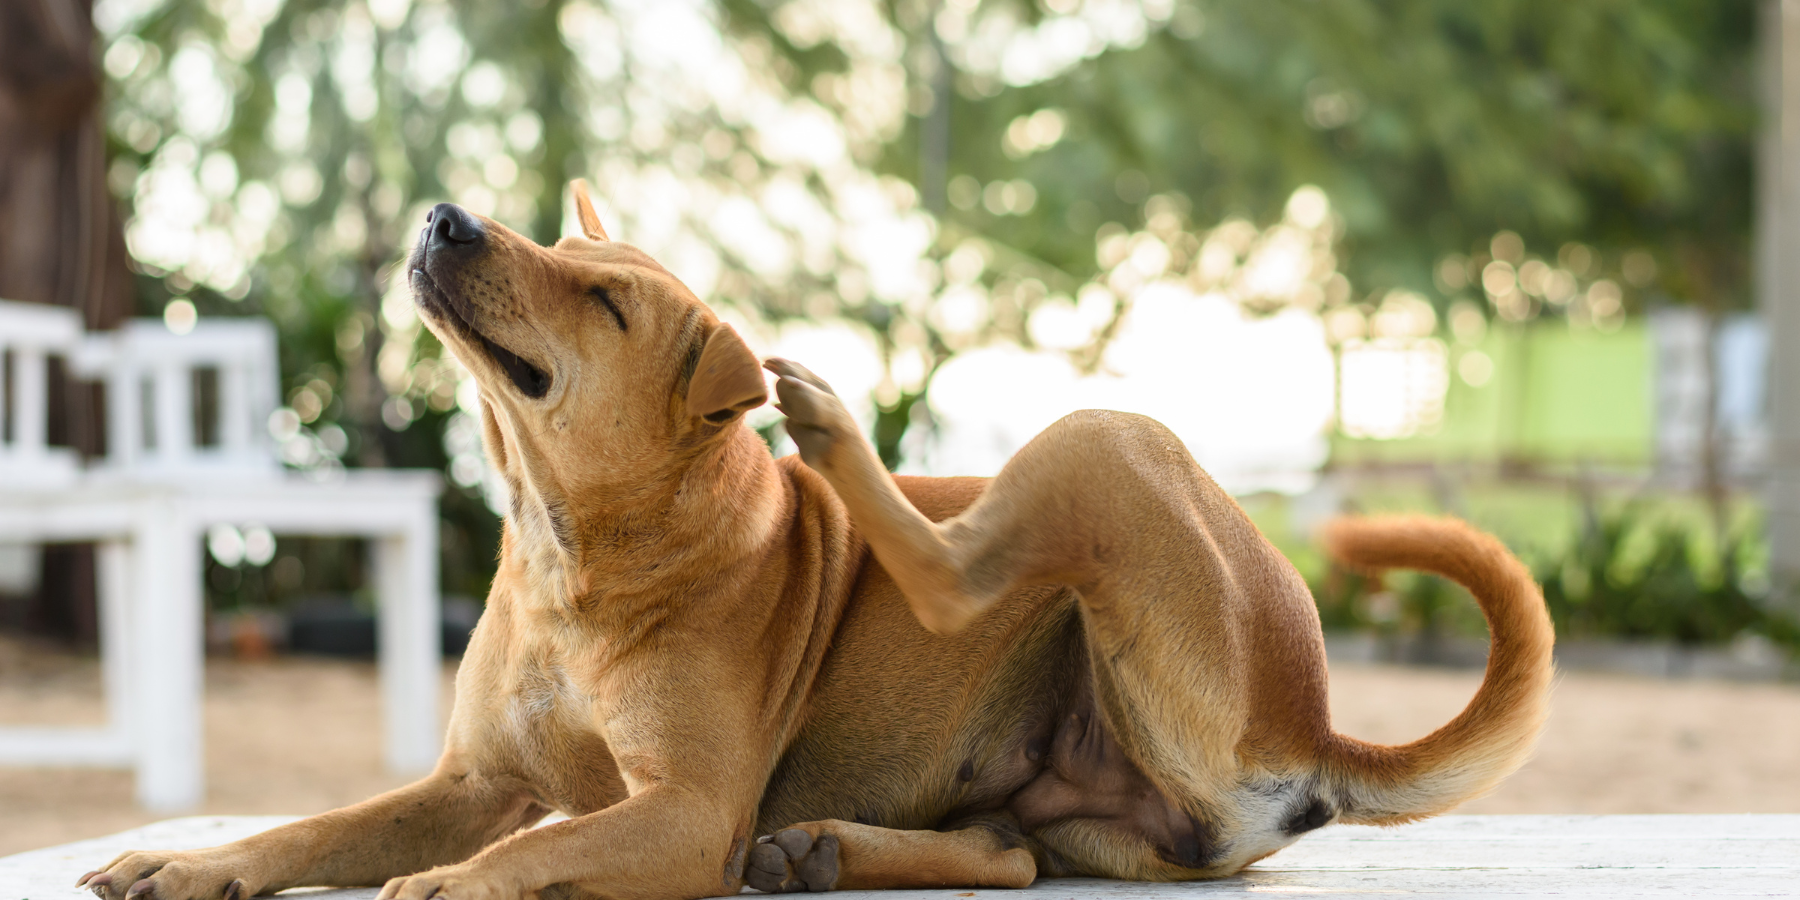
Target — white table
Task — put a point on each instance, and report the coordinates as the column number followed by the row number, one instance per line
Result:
column 1461, row 856
column 152, row 612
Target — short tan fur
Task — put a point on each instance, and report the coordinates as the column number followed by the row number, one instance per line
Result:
column 807, row 674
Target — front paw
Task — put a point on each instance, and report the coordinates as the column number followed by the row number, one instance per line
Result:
column 794, row 859
column 170, row 876
column 816, row 418
column 459, row 882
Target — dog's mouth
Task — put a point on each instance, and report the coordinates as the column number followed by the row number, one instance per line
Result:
column 531, row 381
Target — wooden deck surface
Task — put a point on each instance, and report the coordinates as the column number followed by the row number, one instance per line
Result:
column 1460, row 856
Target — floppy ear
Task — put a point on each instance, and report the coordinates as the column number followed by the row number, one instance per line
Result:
column 584, row 209
column 727, row 380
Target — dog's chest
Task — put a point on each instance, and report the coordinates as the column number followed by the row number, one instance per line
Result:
column 557, row 748
column 542, row 699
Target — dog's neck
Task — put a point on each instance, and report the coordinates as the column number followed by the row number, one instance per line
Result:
column 608, row 551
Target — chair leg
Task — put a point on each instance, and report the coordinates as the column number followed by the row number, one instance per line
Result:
column 113, row 580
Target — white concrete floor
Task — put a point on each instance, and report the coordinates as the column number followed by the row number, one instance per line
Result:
column 1709, row 856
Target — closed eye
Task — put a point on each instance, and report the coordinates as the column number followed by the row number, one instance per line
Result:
column 605, row 297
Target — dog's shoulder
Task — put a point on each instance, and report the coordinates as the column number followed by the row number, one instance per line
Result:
column 937, row 498
column 941, row 498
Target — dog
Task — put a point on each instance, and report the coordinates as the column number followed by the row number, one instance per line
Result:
column 803, row 673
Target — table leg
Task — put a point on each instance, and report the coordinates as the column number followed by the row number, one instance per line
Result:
column 411, row 649
column 166, row 657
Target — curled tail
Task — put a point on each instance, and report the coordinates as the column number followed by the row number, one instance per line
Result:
column 1492, row 737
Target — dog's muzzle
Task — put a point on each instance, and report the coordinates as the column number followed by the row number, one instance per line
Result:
column 450, row 229
column 451, row 237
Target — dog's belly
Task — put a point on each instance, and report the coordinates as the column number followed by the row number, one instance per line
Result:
column 907, row 729
column 913, row 731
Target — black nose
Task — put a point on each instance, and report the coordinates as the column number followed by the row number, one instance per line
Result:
column 449, row 226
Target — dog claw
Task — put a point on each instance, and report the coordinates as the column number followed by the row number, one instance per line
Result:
column 145, row 888
column 235, row 890
column 92, row 876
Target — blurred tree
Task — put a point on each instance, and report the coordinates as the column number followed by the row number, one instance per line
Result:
column 1525, row 157
column 59, row 240
column 59, row 233
column 1433, row 125
column 276, row 155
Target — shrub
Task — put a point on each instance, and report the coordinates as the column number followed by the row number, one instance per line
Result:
column 1633, row 574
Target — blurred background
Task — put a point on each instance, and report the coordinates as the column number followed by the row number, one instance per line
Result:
column 1525, row 262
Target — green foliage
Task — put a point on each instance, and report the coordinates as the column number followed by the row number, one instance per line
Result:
column 339, row 128
column 307, row 569
column 1633, row 571
column 891, row 424
column 1433, row 124
column 1339, row 596
column 1397, row 603
column 1633, row 574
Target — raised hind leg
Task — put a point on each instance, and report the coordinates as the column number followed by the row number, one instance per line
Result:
column 1207, row 657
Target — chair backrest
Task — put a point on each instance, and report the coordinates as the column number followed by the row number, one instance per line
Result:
column 30, row 334
column 182, row 406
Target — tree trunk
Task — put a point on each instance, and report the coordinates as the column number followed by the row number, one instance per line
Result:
column 60, row 237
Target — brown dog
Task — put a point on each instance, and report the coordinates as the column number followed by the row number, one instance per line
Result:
column 1093, row 664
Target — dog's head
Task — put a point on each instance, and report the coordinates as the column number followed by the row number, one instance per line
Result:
column 600, row 372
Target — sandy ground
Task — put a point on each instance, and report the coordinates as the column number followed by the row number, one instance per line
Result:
column 297, row 735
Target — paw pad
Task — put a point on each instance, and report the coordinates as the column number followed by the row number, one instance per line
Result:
column 792, row 860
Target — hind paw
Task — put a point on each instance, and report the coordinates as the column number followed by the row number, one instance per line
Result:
column 816, row 419
column 794, row 859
